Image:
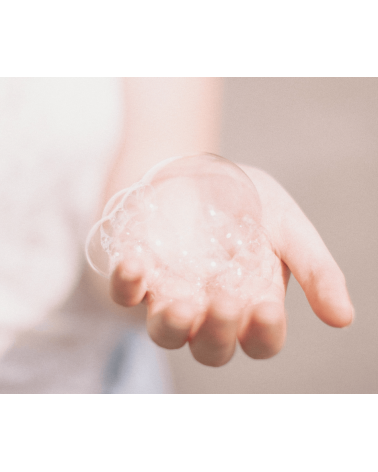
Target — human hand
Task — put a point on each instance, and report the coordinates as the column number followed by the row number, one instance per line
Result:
column 212, row 329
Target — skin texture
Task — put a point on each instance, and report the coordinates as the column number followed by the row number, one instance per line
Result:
column 167, row 117
column 212, row 331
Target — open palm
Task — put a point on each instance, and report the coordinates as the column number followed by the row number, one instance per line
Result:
column 212, row 330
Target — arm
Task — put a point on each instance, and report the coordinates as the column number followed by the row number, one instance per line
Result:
column 213, row 332
column 163, row 117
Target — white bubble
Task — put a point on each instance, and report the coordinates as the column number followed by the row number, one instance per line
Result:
column 197, row 220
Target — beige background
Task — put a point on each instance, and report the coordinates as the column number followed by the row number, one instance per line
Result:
column 319, row 138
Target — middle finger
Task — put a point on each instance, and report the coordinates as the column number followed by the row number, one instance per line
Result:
column 213, row 343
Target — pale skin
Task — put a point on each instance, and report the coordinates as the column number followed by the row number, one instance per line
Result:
column 213, row 329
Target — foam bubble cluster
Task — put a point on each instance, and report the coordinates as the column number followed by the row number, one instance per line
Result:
column 195, row 222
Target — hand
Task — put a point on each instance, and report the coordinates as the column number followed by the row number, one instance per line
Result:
column 212, row 332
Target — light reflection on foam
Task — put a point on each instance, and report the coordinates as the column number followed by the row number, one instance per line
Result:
column 196, row 223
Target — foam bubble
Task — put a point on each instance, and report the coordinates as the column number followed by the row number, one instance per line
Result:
column 195, row 221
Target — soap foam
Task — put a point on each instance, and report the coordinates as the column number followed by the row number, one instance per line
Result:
column 195, row 222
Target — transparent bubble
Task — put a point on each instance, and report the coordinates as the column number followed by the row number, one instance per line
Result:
column 195, row 222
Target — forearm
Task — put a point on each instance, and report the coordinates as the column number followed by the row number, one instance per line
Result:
column 164, row 117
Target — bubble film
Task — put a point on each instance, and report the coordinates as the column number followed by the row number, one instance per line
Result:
column 195, row 223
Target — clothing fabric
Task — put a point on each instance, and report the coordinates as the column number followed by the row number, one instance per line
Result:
column 57, row 138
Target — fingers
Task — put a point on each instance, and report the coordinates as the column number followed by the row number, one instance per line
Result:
column 127, row 285
column 213, row 342
column 263, row 331
column 315, row 269
column 211, row 331
column 299, row 245
column 328, row 296
column 169, row 324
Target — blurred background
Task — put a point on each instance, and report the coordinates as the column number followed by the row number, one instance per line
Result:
column 319, row 138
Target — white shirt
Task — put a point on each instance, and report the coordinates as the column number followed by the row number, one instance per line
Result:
column 57, row 137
